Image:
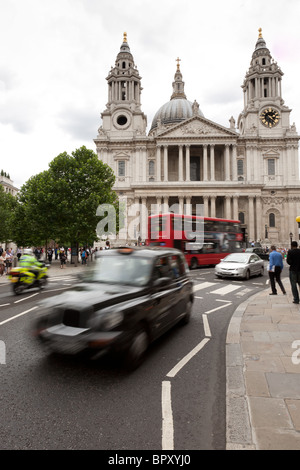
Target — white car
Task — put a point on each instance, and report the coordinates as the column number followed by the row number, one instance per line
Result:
column 241, row 265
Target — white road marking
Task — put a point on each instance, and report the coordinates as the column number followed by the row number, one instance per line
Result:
column 167, row 418
column 203, row 285
column 225, row 290
column 25, row 298
column 186, row 359
column 206, row 325
column 4, row 305
column 19, row 315
column 197, row 297
column 54, row 290
column 243, row 292
column 218, row 308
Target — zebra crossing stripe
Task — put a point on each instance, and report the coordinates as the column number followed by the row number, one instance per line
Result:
column 225, row 290
column 203, row 285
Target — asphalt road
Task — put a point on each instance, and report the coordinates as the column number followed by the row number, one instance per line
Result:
column 174, row 401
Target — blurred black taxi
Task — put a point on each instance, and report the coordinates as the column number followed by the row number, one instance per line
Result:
column 124, row 302
column 259, row 252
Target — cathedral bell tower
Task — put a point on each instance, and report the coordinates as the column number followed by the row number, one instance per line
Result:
column 123, row 117
column 264, row 111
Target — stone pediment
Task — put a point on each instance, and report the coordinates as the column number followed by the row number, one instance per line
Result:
column 271, row 153
column 197, row 127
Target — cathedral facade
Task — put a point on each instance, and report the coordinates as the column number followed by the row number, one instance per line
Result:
column 248, row 171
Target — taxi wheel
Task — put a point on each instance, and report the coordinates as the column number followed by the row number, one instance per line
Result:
column 137, row 349
column 185, row 320
column 247, row 277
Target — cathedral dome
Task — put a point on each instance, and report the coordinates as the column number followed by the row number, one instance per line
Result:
column 178, row 108
column 174, row 111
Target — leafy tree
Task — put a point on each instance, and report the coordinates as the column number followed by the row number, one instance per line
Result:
column 33, row 217
column 7, row 207
column 61, row 203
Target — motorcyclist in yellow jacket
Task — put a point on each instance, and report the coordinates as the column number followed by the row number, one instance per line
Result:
column 29, row 261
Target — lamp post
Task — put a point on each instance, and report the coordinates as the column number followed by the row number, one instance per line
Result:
column 291, row 238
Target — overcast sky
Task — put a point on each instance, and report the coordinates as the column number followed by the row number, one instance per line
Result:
column 55, row 57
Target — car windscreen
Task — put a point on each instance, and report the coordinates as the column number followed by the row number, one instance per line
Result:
column 236, row 258
column 121, row 269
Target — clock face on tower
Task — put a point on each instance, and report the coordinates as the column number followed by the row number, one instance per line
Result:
column 269, row 117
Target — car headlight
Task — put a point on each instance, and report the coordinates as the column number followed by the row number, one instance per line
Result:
column 106, row 321
column 111, row 320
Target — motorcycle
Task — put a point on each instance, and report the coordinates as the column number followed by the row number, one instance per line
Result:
column 23, row 278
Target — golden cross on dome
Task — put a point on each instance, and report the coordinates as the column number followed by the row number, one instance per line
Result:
column 178, row 60
column 125, row 37
column 260, row 33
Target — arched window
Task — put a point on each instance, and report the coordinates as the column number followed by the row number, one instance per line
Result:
column 272, row 220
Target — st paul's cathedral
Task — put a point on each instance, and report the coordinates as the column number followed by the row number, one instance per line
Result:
column 248, row 171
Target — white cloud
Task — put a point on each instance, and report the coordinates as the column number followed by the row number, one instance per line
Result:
column 56, row 55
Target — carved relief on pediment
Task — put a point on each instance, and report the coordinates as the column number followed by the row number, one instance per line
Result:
column 276, row 201
column 198, row 128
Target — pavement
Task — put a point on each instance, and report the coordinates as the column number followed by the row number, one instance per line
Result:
column 262, row 369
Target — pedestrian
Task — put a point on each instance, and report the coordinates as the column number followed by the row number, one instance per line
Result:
column 63, row 258
column 275, row 268
column 293, row 259
column 19, row 253
column 83, row 256
column 50, row 254
column 2, row 263
column 107, row 245
column 9, row 260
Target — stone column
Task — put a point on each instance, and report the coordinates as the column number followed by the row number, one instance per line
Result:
column 180, row 163
column 213, row 206
column 235, row 207
column 137, row 165
column 212, row 163
column 248, row 163
column 228, row 207
column 205, row 162
column 251, row 219
column 180, row 204
column 158, row 163
column 205, row 200
column 144, row 218
column 234, row 163
column 144, row 163
column 166, row 204
column 165, row 163
column 227, row 163
column 260, row 233
column 188, row 207
column 187, row 163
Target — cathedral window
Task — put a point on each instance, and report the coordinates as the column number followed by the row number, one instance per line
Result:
column 151, row 168
column 271, row 166
column 123, row 65
column 272, row 220
column 264, row 61
column 240, row 167
column 121, row 168
column 242, row 217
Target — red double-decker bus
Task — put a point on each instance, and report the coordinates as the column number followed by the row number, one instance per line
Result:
column 203, row 240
